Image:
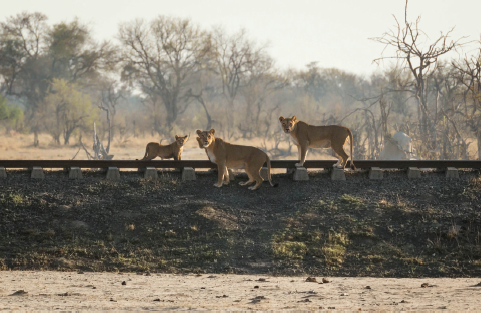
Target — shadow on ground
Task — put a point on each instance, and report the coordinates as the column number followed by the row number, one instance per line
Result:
column 359, row 227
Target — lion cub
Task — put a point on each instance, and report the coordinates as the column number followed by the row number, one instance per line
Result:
column 308, row 136
column 227, row 155
column 174, row 150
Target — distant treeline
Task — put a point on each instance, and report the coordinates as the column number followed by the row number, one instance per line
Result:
column 170, row 76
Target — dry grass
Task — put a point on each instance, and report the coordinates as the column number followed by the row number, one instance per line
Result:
column 19, row 147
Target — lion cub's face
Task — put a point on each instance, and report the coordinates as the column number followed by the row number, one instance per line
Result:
column 288, row 124
column 181, row 140
column 205, row 137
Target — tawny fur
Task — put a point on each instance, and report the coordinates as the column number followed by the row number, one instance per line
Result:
column 173, row 150
column 227, row 155
column 309, row 136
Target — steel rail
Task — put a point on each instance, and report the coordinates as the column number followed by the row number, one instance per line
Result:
column 363, row 164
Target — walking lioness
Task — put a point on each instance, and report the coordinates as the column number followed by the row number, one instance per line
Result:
column 227, row 155
column 308, row 136
column 174, row 150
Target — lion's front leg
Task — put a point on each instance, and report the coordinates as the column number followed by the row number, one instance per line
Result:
column 303, row 153
column 226, row 176
column 221, row 169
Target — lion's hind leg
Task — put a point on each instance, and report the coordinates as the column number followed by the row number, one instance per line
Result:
column 250, row 181
column 256, row 175
column 145, row 155
column 148, row 157
column 251, row 178
column 342, row 155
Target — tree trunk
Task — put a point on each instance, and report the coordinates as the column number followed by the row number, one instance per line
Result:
column 424, row 127
column 478, row 137
column 207, row 115
column 35, row 138
column 66, row 138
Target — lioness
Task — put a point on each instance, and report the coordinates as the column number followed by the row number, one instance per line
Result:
column 201, row 145
column 227, row 155
column 308, row 136
column 173, row 150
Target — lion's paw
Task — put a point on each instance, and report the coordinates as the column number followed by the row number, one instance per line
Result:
column 218, row 185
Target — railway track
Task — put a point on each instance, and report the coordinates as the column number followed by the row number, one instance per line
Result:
column 149, row 168
column 312, row 164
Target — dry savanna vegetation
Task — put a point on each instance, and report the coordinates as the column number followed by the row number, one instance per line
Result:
column 359, row 227
column 169, row 76
column 64, row 95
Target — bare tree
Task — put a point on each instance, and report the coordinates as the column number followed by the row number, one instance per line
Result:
column 99, row 152
column 160, row 55
column 111, row 96
column 263, row 82
column 374, row 125
column 469, row 75
column 200, row 99
column 235, row 57
column 421, row 60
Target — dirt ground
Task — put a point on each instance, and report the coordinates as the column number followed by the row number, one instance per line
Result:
column 105, row 291
column 429, row 227
column 393, row 228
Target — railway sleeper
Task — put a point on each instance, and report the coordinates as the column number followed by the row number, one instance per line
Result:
column 452, row 172
column 36, row 172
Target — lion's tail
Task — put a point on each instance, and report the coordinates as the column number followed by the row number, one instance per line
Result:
column 352, row 144
column 269, row 172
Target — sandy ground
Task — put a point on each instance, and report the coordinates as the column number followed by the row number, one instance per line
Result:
column 88, row 291
column 19, row 147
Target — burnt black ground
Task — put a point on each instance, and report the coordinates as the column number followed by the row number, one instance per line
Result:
column 395, row 227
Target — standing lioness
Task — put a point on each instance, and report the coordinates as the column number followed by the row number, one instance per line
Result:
column 174, row 150
column 227, row 155
column 308, row 136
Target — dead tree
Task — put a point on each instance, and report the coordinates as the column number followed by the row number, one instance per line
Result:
column 236, row 60
column 422, row 62
column 469, row 75
column 188, row 95
column 160, row 56
column 375, row 125
column 99, row 152
column 110, row 98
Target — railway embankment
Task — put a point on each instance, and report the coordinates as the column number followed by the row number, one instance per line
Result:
column 394, row 227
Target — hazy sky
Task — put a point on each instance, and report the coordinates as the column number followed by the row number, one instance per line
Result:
column 333, row 33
